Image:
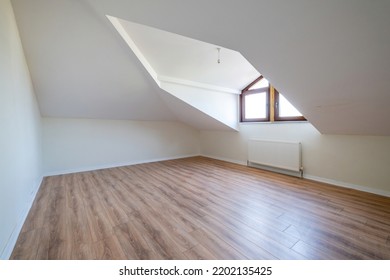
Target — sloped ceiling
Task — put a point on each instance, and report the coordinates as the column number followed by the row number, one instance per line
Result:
column 206, row 77
column 81, row 68
column 175, row 57
column 329, row 58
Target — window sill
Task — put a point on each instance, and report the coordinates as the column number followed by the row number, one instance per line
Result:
column 275, row 122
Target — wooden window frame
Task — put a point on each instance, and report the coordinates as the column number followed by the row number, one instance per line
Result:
column 247, row 91
column 276, row 111
column 272, row 110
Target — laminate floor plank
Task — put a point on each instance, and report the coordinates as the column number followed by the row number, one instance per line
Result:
column 355, row 246
column 201, row 208
column 337, row 228
column 133, row 242
column 313, row 253
column 108, row 249
column 44, row 244
column 99, row 224
column 180, row 237
column 237, row 240
column 243, row 227
column 60, row 237
column 199, row 252
column 27, row 246
column 157, row 238
column 216, row 246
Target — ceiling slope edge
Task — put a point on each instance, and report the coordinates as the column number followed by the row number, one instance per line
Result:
column 183, row 82
column 119, row 27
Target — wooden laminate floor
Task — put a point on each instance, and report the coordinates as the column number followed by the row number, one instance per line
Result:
column 199, row 208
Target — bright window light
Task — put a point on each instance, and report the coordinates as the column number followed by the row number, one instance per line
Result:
column 261, row 102
column 255, row 105
column 263, row 83
column 286, row 109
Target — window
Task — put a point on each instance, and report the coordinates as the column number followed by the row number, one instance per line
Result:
column 255, row 105
column 284, row 110
column 261, row 102
column 255, row 101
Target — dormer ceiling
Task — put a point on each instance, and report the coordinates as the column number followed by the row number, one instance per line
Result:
column 178, row 58
column 201, row 75
column 329, row 58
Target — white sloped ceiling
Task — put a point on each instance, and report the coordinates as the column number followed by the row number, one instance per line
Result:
column 329, row 58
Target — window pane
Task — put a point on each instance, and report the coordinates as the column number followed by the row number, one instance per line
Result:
column 260, row 84
column 255, row 106
column 286, row 109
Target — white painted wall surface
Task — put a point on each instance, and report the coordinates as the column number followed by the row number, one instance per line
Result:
column 361, row 162
column 72, row 145
column 219, row 105
column 20, row 135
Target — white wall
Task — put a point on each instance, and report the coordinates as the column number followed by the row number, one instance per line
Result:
column 221, row 106
column 20, row 140
column 85, row 144
column 361, row 162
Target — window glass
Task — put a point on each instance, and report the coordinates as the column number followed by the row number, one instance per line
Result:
column 255, row 105
column 286, row 109
column 260, row 84
column 260, row 102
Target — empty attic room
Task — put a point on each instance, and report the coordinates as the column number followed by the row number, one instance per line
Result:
column 217, row 130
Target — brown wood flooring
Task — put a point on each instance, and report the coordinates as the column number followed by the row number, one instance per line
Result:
column 200, row 208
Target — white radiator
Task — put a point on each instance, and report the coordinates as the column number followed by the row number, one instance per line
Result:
column 281, row 156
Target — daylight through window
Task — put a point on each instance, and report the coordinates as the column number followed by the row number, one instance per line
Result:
column 261, row 102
